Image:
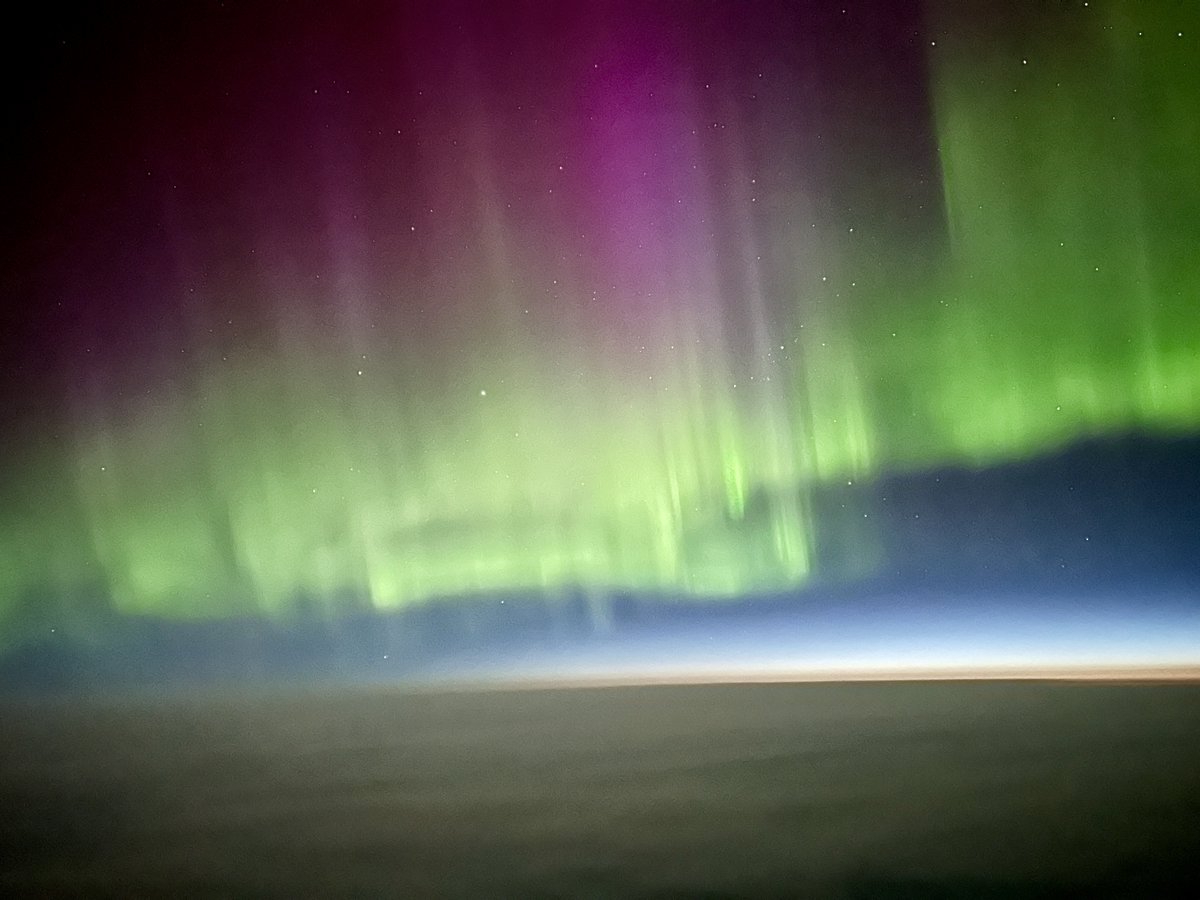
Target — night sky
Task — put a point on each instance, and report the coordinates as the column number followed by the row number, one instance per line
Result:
column 378, row 307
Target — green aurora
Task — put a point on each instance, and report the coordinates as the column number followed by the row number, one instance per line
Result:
column 532, row 436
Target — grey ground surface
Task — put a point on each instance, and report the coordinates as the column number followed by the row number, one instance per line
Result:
column 851, row 790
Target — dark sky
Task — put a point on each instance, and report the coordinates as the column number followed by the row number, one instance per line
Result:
column 702, row 299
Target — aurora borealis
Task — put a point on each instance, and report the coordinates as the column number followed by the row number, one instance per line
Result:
column 420, row 301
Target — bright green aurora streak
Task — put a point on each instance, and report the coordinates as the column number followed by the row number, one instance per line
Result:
column 672, row 449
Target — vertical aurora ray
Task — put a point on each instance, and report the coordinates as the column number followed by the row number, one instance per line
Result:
column 451, row 322
column 1072, row 198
